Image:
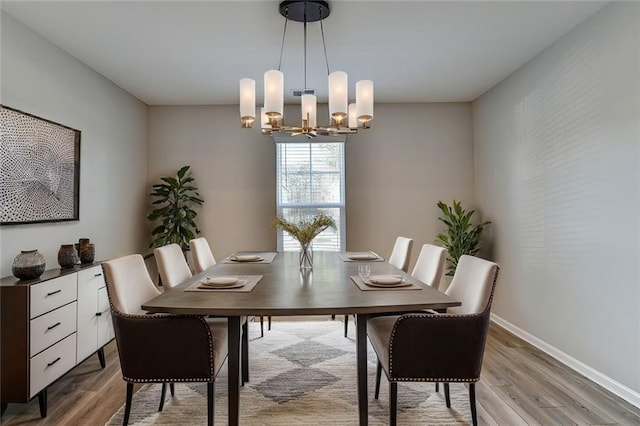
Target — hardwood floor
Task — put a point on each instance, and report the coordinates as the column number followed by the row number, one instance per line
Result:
column 519, row 385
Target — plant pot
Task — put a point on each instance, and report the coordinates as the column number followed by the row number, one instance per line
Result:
column 28, row 265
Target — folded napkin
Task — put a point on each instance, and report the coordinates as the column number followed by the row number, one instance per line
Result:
column 385, row 279
column 246, row 258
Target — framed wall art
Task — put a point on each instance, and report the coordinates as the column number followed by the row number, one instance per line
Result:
column 39, row 169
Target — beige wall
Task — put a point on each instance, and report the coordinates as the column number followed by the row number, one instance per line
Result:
column 557, row 167
column 396, row 172
column 234, row 169
column 41, row 79
column 415, row 155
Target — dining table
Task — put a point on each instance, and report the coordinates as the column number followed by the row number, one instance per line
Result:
column 284, row 289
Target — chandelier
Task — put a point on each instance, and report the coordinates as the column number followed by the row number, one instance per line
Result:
column 345, row 117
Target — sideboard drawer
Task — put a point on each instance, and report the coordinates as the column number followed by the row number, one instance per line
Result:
column 52, row 294
column 47, row 366
column 52, row 327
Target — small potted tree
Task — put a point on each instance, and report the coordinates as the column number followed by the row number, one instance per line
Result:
column 174, row 198
column 461, row 236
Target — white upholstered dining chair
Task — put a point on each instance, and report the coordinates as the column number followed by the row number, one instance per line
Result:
column 430, row 265
column 401, row 253
column 201, row 254
column 172, row 266
column 400, row 256
column 203, row 259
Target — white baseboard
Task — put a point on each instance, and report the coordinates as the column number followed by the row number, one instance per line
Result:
column 603, row 380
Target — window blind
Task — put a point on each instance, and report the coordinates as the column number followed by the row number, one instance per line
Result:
column 310, row 180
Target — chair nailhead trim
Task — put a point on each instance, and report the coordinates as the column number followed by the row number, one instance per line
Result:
column 434, row 317
column 162, row 315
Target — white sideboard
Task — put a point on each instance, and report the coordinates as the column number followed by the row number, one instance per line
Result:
column 48, row 326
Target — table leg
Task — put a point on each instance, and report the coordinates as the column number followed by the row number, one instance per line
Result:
column 361, row 349
column 234, row 369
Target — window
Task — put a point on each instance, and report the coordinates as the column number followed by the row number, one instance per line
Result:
column 310, row 180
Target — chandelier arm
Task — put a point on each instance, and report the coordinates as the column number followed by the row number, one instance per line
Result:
column 284, row 33
column 324, row 46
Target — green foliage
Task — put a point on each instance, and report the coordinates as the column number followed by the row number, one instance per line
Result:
column 174, row 197
column 305, row 231
column 461, row 237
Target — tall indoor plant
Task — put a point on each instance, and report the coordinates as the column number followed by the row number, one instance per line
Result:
column 175, row 197
column 461, row 236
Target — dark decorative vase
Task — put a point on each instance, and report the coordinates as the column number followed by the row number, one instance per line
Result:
column 28, row 265
column 67, row 256
column 87, row 253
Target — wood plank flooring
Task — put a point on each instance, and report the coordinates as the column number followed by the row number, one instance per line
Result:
column 520, row 385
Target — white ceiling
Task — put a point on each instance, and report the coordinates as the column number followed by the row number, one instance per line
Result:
column 194, row 52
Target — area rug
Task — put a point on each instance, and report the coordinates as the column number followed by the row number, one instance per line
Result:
column 301, row 373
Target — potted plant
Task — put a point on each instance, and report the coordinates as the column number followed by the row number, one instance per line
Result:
column 461, row 236
column 175, row 197
column 304, row 232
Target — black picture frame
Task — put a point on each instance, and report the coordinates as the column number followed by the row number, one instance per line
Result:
column 39, row 169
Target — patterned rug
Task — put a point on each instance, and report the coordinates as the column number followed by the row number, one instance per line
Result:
column 302, row 373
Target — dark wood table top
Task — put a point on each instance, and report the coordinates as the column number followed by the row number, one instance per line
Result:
column 285, row 290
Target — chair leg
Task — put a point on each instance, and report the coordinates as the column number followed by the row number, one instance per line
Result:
column 172, row 387
column 378, row 376
column 346, row 324
column 472, row 401
column 437, row 387
column 261, row 326
column 393, row 403
column 210, row 403
column 446, row 395
column 163, row 393
column 127, row 407
column 333, row 316
column 269, row 327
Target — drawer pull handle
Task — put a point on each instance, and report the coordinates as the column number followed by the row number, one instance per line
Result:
column 54, row 292
column 99, row 314
column 53, row 326
column 97, row 275
column 53, row 362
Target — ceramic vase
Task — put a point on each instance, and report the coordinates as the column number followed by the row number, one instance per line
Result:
column 87, row 253
column 67, row 256
column 28, row 265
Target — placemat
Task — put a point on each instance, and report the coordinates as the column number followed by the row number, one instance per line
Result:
column 252, row 281
column 345, row 256
column 267, row 257
column 362, row 286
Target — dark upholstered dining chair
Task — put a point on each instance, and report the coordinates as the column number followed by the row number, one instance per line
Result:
column 423, row 347
column 159, row 348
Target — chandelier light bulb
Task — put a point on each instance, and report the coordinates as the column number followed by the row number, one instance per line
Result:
column 364, row 101
column 353, row 118
column 247, row 102
column 309, row 105
column 274, row 93
column 338, row 95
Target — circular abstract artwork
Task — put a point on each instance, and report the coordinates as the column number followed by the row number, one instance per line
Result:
column 39, row 169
